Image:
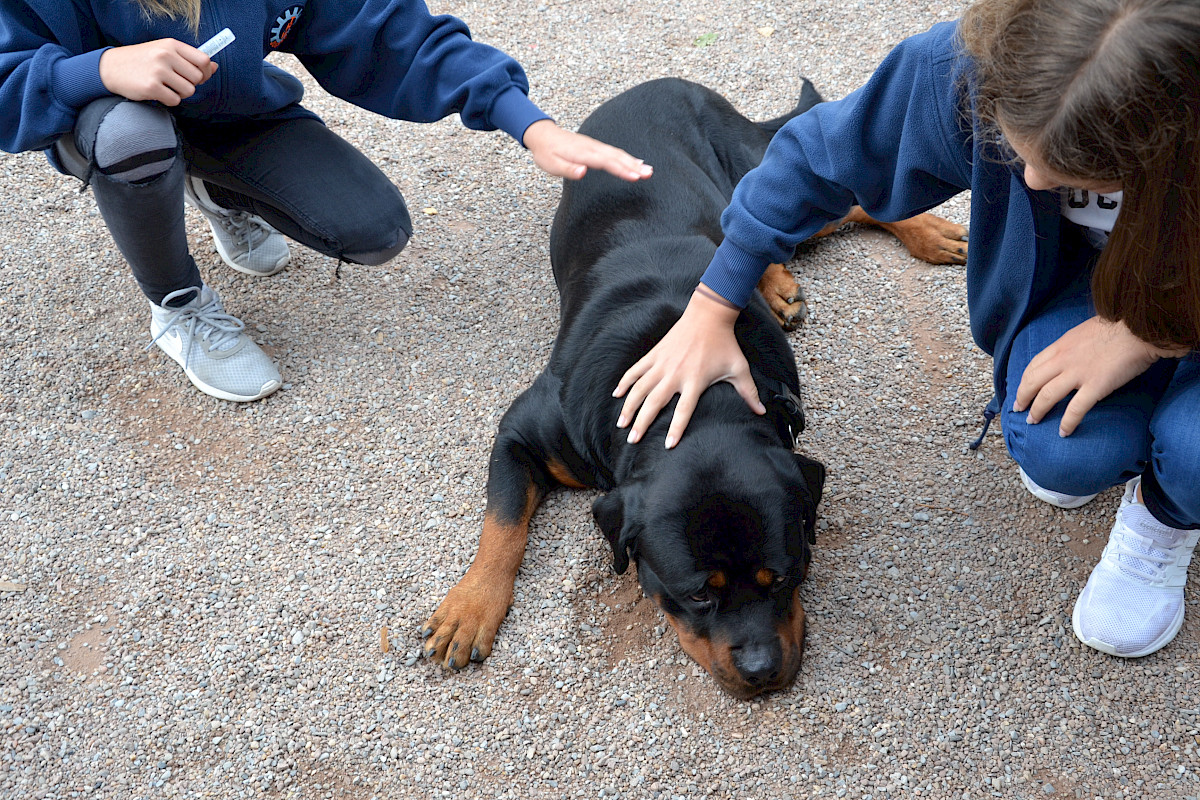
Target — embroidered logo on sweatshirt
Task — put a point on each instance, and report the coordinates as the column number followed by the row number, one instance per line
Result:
column 283, row 25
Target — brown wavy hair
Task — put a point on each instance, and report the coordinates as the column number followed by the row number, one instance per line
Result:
column 186, row 10
column 1108, row 91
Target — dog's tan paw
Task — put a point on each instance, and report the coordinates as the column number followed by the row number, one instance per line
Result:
column 784, row 296
column 933, row 239
column 464, row 626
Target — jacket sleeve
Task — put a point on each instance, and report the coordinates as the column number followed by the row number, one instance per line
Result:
column 395, row 58
column 894, row 147
column 49, row 69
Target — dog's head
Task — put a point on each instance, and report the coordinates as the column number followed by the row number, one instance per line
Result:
column 721, row 536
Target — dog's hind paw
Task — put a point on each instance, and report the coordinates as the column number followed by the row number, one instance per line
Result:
column 933, row 239
column 784, row 296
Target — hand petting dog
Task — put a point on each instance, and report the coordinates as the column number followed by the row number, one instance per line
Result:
column 566, row 154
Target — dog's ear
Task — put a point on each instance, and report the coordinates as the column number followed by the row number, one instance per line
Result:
column 613, row 514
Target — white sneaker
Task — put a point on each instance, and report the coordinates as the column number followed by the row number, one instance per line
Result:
column 209, row 344
column 245, row 241
column 1054, row 498
column 1132, row 604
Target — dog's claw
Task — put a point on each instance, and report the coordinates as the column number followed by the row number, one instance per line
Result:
column 426, row 632
column 475, row 655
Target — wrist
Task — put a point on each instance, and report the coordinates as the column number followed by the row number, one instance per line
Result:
column 712, row 306
column 537, row 132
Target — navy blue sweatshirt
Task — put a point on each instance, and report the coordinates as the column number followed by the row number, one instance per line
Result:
column 902, row 144
column 389, row 56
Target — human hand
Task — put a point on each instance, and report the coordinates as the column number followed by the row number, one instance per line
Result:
column 698, row 351
column 1093, row 359
column 568, row 155
column 165, row 70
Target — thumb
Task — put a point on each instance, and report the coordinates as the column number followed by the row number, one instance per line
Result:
column 745, row 387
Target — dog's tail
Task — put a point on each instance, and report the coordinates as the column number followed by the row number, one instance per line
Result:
column 809, row 97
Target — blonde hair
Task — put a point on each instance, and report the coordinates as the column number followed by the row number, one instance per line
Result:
column 187, row 10
column 1109, row 91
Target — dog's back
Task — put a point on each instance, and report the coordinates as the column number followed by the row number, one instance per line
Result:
column 700, row 147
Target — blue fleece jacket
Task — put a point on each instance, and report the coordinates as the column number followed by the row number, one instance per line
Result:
column 902, row 144
column 389, row 56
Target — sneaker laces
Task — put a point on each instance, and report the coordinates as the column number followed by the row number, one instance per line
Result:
column 244, row 230
column 208, row 320
column 1142, row 555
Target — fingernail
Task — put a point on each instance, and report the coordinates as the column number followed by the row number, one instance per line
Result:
column 633, row 437
column 1063, row 433
column 621, row 421
column 670, row 442
column 1029, row 419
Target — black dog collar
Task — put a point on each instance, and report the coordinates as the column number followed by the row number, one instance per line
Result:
column 789, row 410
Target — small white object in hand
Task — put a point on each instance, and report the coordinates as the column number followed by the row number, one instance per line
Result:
column 217, row 43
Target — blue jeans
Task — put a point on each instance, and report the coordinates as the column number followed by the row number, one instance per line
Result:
column 303, row 179
column 1149, row 427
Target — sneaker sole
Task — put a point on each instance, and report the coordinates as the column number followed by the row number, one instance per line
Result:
column 1041, row 494
column 1104, row 647
column 283, row 262
column 270, row 387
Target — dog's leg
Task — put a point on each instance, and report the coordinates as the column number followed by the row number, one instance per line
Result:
column 464, row 626
column 784, row 296
column 927, row 237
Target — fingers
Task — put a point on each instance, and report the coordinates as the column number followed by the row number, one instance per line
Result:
column 165, row 70
column 570, row 155
column 749, row 392
column 681, row 418
column 1080, row 405
column 613, row 160
column 1049, row 396
column 656, row 401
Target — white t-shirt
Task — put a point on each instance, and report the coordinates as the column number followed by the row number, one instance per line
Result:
column 1095, row 213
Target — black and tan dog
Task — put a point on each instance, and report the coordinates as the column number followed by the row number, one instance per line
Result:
column 721, row 527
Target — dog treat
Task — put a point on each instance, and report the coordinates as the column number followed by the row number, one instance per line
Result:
column 384, row 645
column 217, row 43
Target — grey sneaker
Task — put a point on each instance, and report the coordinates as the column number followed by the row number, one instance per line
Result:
column 245, row 241
column 209, row 344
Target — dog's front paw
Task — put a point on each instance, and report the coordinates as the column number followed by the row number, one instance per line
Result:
column 784, row 296
column 464, row 626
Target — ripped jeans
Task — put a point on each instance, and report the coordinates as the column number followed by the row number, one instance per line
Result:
column 303, row 179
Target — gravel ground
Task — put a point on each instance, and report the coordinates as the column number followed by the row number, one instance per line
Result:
column 194, row 591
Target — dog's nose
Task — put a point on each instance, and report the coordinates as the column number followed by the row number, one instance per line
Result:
column 758, row 662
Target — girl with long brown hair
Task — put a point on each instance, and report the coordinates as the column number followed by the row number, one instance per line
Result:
column 1076, row 126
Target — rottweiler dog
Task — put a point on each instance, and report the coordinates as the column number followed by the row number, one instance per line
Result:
column 721, row 527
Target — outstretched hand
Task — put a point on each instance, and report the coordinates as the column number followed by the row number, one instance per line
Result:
column 166, row 70
column 698, row 351
column 1093, row 359
column 569, row 155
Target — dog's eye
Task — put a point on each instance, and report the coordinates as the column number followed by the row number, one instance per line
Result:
column 703, row 599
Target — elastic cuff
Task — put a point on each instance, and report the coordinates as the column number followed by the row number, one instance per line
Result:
column 716, row 298
column 733, row 273
column 76, row 82
column 513, row 112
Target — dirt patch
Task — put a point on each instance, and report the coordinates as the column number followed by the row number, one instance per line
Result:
column 86, row 653
column 937, row 350
column 630, row 625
